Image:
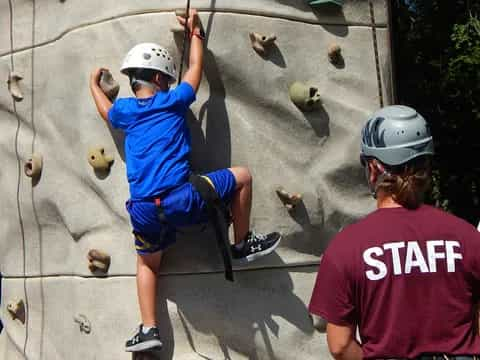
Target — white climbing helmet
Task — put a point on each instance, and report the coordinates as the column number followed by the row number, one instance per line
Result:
column 149, row 56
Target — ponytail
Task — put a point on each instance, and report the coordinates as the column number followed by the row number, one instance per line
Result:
column 407, row 183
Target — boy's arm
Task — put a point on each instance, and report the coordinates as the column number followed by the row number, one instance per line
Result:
column 102, row 102
column 193, row 75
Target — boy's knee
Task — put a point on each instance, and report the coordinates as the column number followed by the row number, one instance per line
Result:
column 242, row 175
column 150, row 261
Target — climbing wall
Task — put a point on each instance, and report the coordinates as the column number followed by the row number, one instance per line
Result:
column 303, row 156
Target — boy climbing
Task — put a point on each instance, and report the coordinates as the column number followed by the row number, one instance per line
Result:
column 157, row 150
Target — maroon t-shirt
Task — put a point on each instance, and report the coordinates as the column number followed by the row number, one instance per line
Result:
column 408, row 279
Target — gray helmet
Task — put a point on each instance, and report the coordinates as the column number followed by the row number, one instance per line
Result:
column 396, row 134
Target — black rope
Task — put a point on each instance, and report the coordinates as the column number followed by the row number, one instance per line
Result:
column 184, row 46
column 35, row 213
column 375, row 49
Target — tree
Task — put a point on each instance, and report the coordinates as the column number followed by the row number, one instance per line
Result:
column 437, row 47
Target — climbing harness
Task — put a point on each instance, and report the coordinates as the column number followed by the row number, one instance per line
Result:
column 184, row 46
column 375, row 49
column 219, row 216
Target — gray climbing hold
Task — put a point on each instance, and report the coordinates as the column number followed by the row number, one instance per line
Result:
column 33, row 166
column 108, row 85
column 306, row 98
column 334, row 53
column 176, row 27
column 262, row 43
column 181, row 12
column 14, row 86
column 98, row 159
column 84, row 323
column 17, row 310
column 98, row 261
column 290, row 201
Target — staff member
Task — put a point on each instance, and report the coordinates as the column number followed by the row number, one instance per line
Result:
column 407, row 275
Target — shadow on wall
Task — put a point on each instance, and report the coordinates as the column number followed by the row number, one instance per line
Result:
column 241, row 316
column 319, row 120
column 274, row 55
column 316, row 229
column 326, row 10
column 212, row 150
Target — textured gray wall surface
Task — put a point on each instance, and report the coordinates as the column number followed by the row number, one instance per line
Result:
column 242, row 116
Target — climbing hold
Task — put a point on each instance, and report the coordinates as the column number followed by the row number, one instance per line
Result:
column 307, row 98
column 33, row 166
column 334, row 53
column 14, row 87
column 176, row 27
column 108, row 85
column 288, row 200
column 261, row 43
column 17, row 310
column 181, row 12
column 98, row 261
column 84, row 323
column 98, row 159
column 321, row 2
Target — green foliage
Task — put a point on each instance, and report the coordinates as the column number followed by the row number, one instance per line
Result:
column 464, row 63
column 438, row 73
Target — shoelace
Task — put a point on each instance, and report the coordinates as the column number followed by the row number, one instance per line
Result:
column 135, row 331
column 254, row 237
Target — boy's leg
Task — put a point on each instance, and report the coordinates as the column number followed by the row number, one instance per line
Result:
column 148, row 266
column 241, row 202
column 234, row 185
column 147, row 337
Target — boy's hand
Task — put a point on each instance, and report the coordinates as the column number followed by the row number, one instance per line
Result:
column 193, row 21
column 95, row 76
column 102, row 102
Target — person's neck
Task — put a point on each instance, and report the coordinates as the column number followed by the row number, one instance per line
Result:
column 386, row 201
column 144, row 93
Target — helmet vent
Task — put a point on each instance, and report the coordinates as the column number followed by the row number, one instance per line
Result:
column 147, row 56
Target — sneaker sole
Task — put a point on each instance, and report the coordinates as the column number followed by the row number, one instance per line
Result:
column 144, row 346
column 253, row 257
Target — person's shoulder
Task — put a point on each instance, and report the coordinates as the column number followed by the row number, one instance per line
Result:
column 446, row 218
column 124, row 104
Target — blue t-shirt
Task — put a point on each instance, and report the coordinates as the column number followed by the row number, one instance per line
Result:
column 157, row 139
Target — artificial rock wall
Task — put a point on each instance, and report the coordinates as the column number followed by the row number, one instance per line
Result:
column 243, row 116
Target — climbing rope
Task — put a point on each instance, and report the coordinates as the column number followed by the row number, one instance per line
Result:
column 184, row 45
column 35, row 214
column 375, row 49
column 19, row 174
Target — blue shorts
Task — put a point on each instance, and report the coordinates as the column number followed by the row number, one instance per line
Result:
column 182, row 206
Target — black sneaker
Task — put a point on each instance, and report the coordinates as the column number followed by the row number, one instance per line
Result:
column 144, row 342
column 255, row 246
